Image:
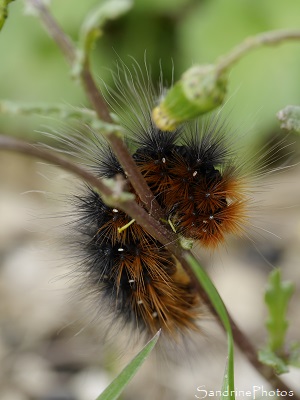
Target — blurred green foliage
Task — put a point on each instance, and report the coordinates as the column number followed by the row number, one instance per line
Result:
column 277, row 353
column 180, row 31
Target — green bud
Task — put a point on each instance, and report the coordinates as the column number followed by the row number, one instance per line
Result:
column 200, row 90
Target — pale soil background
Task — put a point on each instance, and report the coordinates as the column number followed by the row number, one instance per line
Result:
column 49, row 350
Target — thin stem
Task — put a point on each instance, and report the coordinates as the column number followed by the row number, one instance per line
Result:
column 94, row 95
column 117, row 144
column 69, row 50
column 253, row 42
column 61, row 111
column 111, row 197
column 158, row 231
column 20, row 146
column 100, row 106
column 58, row 35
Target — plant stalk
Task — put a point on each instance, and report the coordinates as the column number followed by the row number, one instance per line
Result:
column 253, row 42
column 96, row 99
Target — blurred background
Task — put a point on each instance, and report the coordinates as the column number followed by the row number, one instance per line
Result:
column 49, row 349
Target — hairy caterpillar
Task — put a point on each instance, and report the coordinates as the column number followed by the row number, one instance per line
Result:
column 194, row 177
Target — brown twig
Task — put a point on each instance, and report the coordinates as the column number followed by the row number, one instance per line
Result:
column 111, row 197
column 54, row 30
column 28, row 149
column 100, row 106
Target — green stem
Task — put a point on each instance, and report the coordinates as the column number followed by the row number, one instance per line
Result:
column 262, row 39
column 222, row 313
column 64, row 42
column 61, row 111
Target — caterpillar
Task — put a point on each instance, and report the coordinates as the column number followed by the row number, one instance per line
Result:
column 193, row 175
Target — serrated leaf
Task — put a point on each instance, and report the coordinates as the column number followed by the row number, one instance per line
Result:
column 277, row 296
column 3, row 11
column 268, row 357
column 113, row 391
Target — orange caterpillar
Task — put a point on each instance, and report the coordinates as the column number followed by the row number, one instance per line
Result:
column 193, row 177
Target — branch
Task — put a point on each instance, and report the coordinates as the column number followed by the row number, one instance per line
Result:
column 262, row 39
column 100, row 106
column 115, row 197
column 20, row 146
column 54, row 30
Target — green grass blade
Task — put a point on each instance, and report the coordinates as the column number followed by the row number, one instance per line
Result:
column 114, row 390
column 208, row 286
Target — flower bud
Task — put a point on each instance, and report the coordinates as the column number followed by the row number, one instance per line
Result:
column 200, row 90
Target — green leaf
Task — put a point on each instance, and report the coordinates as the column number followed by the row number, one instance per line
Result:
column 114, row 390
column 290, row 118
column 268, row 357
column 277, row 296
column 3, row 11
column 208, row 286
column 61, row 111
column 276, row 354
column 294, row 355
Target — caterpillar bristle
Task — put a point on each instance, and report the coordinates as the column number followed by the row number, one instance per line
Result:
column 201, row 189
column 134, row 270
